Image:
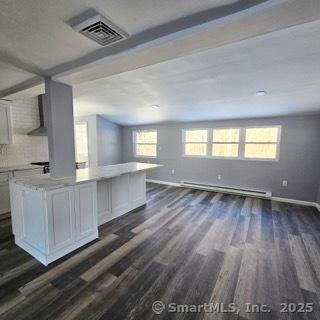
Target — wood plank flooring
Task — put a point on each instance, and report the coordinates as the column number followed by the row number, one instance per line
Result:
column 184, row 247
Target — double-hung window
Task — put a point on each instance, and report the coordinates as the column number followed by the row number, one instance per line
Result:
column 195, row 142
column 145, row 143
column 262, row 143
column 245, row 143
column 225, row 142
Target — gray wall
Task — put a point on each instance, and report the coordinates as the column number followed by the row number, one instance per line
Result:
column 318, row 198
column 108, row 142
column 298, row 163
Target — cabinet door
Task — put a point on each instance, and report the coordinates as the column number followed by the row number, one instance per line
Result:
column 120, row 195
column 4, row 192
column 104, row 201
column 138, row 189
column 5, row 125
column 61, row 218
column 86, row 209
column 4, row 197
column 31, row 218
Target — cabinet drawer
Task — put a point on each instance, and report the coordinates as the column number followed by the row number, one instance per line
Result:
column 4, row 176
column 24, row 173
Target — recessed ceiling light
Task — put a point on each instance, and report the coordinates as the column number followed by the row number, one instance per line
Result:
column 261, row 93
column 155, row 106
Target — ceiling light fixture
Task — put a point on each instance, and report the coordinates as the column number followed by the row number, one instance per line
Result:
column 155, row 106
column 261, row 93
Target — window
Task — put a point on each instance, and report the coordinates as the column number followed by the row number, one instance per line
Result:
column 145, row 143
column 262, row 143
column 195, row 142
column 81, row 142
column 255, row 143
column 225, row 142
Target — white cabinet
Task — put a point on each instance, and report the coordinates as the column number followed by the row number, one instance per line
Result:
column 138, row 189
column 4, row 186
column 5, row 125
column 86, row 209
column 120, row 195
column 61, row 218
column 4, row 192
column 104, row 201
column 50, row 224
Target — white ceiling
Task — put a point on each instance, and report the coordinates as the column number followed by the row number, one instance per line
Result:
column 198, row 60
column 10, row 75
column 216, row 84
column 36, row 34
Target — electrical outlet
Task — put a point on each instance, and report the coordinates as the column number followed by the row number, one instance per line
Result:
column 219, row 176
column 284, row 183
column 172, row 171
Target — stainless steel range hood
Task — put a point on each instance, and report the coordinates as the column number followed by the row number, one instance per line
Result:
column 42, row 130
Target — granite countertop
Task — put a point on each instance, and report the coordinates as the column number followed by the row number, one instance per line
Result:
column 45, row 182
column 19, row 168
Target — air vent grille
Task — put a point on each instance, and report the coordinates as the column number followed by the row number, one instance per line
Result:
column 100, row 30
column 102, row 33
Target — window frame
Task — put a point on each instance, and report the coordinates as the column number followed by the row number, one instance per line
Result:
column 184, row 142
column 277, row 143
column 241, row 144
column 135, row 143
column 238, row 143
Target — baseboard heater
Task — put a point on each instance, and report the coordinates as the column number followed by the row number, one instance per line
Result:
column 224, row 189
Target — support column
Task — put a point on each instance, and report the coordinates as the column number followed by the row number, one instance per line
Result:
column 58, row 112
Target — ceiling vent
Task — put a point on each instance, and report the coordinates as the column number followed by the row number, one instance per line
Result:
column 100, row 30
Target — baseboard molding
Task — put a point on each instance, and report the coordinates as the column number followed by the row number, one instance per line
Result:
column 174, row 184
column 294, row 201
column 287, row 200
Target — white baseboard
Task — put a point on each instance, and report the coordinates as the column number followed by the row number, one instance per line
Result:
column 174, row 184
column 287, row 200
column 294, row 201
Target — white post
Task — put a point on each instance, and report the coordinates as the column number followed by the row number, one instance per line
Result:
column 58, row 112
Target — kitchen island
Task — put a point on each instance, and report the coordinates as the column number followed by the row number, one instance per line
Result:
column 51, row 218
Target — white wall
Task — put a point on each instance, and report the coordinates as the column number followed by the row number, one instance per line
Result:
column 25, row 149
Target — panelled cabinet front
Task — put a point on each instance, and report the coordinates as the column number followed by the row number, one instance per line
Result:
column 72, row 214
column 61, row 217
column 86, row 209
column 50, row 224
column 138, row 188
column 104, row 201
column 120, row 195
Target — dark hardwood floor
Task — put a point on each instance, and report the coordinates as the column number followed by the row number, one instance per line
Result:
column 186, row 247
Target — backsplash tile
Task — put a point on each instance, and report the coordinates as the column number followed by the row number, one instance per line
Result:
column 25, row 149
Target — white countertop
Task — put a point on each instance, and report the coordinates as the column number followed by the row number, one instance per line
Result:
column 45, row 182
column 19, row 168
